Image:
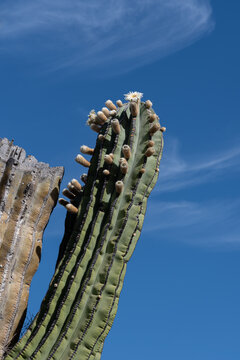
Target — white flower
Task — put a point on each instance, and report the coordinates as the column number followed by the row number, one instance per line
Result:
column 133, row 96
column 91, row 117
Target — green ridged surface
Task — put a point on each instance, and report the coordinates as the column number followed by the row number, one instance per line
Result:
column 81, row 303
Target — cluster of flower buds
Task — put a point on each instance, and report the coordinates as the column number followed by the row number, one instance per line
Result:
column 73, row 189
column 96, row 121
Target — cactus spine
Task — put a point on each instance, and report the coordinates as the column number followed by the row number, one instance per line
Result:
column 100, row 236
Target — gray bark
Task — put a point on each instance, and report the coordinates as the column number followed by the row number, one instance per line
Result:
column 28, row 193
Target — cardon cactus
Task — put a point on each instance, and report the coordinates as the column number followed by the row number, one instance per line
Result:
column 103, row 224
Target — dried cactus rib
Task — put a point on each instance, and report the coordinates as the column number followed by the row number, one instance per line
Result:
column 81, row 303
column 28, row 193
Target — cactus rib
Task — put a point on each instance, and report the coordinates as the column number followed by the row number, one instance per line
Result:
column 81, row 303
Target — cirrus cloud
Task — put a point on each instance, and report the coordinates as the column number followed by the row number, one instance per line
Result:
column 95, row 33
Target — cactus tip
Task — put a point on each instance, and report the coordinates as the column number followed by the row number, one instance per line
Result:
column 102, row 116
column 124, row 167
column 150, row 151
column 119, row 186
column 82, row 161
column 63, row 202
column 101, row 137
column 115, row 126
column 112, row 113
column 150, row 143
column 108, row 159
column 126, row 151
column 119, row 103
column 71, row 208
column 122, row 159
column 134, row 108
column 154, row 128
column 148, row 104
column 95, row 127
column 106, row 172
column 106, row 111
column 76, row 184
column 152, row 118
column 86, row 150
column 68, row 194
column 83, row 177
column 110, row 105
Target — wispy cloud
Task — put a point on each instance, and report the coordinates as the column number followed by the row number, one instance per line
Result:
column 210, row 222
column 125, row 34
column 206, row 223
column 178, row 172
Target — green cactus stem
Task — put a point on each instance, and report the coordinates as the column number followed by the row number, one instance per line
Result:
column 102, row 228
column 28, row 193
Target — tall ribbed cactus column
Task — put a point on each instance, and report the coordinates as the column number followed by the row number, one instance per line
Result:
column 103, row 224
column 28, row 192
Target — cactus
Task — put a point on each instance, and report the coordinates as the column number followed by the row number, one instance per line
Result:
column 28, row 193
column 103, row 224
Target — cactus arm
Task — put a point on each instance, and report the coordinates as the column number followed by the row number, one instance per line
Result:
column 125, row 238
column 82, row 300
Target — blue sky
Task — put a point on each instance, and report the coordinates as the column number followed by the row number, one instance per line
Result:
column 59, row 59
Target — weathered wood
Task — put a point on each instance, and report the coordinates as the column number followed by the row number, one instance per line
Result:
column 28, row 193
